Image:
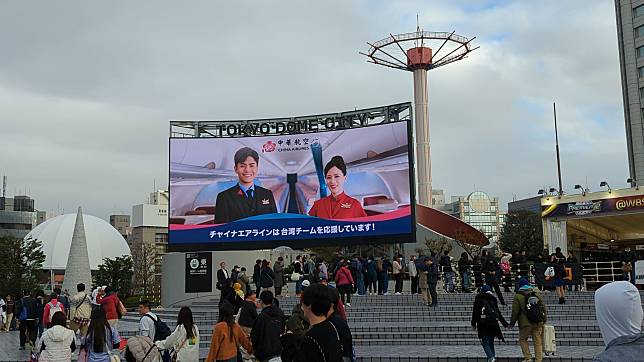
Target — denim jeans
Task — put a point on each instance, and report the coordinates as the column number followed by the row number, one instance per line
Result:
column 361, row 286
column 298, row 285
column 449, row 281
column 488, row 346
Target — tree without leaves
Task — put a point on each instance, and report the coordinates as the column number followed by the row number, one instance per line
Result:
column 145, row 269
column 21, row 264
column 522, row 231
column 116, row 273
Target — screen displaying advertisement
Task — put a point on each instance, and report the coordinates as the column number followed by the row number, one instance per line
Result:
column 311, row 189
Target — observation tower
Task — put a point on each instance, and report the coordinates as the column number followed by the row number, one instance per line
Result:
column 414, row 52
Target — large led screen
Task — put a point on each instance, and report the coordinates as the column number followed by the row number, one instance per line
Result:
column 311, row 189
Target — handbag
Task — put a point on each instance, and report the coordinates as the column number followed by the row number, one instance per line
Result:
column 295, row 276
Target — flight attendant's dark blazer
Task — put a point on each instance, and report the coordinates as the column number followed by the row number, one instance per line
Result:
column 233, row 204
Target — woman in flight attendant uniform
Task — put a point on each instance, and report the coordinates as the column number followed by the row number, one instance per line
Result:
column 337, row 205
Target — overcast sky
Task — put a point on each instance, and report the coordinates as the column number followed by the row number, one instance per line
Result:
column 86, row 92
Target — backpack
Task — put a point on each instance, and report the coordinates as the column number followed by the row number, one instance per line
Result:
column 55, row 308
column 488, row 313
column 161, row 330
column 535, row 310
column 23, row 311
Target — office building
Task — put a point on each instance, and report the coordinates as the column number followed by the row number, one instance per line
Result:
column 122, row 224
column 480, row 211
column 149, row 235
column 630, row 36
column 18, row 216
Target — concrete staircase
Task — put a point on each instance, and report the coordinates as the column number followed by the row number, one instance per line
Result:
column 401, row 328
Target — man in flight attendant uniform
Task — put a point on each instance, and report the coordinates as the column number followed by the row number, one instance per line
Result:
column 244, row 199
column 338, row 205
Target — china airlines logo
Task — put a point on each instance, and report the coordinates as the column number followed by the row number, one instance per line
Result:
column 269, row 146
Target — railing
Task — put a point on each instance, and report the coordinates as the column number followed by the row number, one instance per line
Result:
column 599, row 273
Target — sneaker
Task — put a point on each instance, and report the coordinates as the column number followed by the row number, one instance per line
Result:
column 398, row 293
column 347, row 305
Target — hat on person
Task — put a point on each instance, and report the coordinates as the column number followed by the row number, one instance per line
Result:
column 306, row 283
column 523, row 282
column 486, row 288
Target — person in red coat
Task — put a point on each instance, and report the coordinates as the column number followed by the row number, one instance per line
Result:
column 344, row 281
column 338, row 205
column 110, row 303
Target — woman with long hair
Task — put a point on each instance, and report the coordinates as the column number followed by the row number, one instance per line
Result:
column 338, row 205
column 185, row 338
column 227, row 337
column 101, row 338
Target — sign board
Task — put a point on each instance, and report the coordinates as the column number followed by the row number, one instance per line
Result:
column 591, row 207
column 639, row 272
column 639, row 247
column 198, row 272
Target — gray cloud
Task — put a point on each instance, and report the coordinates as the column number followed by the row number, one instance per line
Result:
column 86, row 92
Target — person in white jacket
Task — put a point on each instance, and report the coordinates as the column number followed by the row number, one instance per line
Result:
column 184, row 341
column 57, row 342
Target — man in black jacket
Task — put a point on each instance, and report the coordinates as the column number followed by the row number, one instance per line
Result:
column 245, row 199
column 432, row 279
column 268, row 327
column 492, row 273
column 27, row 316
column 223, row 277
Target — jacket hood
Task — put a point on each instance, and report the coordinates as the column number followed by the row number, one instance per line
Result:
column 619, row 310
column 59, row 333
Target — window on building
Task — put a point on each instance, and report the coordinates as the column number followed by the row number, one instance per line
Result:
column 640, row 70
column 638, row 11
column 641, row 93
column 161, row 238
column 640, row 52
column 639, row 31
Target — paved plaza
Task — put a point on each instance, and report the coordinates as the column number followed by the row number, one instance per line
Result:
column 400, row 328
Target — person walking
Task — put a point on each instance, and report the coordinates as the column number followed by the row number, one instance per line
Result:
column 381, row 275
column 448, row 271
column 40, row 310
column 52, row 307
column 80, row 310
column 227, row 337
column 432, row 280
column 9, row 308
column 268, row 327
column 243, row 279
column 560, row 273
column 618, row 307
column 464, row 270
column 371, row 276
column 278, row 271
column 422, row 268
column 266, row 276
column 27, row 318
column 298, row 270
column 63, row 299
column 322, row 341
column 491, row 270
column 413, row 274
column 397, row 271
column 101, row 338
column 248, row 313
column 341, row 325
column 344, row 282
column 184, row 340
column 387, row 267
column 628, row 259
column 485, row 320
column 256, row 269
column 57, row 342
column 223, row 277
column 360, row 276
column 529, row 310
column 110, row 303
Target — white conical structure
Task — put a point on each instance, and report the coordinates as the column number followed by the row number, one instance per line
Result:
column 78, row 270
